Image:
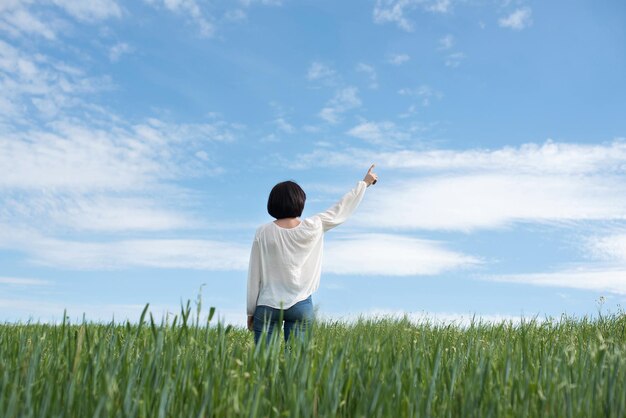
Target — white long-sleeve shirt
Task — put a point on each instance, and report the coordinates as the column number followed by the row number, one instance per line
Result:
column 286, row 263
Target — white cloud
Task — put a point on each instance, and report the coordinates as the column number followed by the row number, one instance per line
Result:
column 325, row 157
column 425, row 92
column 454, row 60
column 22, row 281
column 446, row 42
column 607, row 274
column 270, row 138
column 17, row 17
column 284, row 126
column 440, row 6
column 70, row 166
column 385, row 132
column 395, row 11
column 37, row 86
column 602, row 279
column 319, row 71
column 262, row 2
column 89, row 212
column 96, row 172
column 78, row 157
column 391, row 255
column 517, row 20
column 210, row 255
column 483, row 189
column 344, row 100
column 531, row 158
column 235, row 15
column 398, row 59
column 20, row 21
column 370, row 72
column 90, row 10
column 118, row 180
column 611, row 247
column 474, row 201
column 191, row 9
column 119, row 49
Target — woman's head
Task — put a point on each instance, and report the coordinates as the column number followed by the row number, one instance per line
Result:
column 286, row 200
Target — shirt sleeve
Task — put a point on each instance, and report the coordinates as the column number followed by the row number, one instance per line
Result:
column 254, row 277
column 341, row 211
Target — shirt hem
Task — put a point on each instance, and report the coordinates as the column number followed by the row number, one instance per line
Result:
column 284, row 307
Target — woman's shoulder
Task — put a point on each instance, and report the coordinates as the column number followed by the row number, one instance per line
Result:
column 312, row 222
column 307, row 224
column 263, row 228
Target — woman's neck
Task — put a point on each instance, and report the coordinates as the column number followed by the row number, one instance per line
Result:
column 287, row 222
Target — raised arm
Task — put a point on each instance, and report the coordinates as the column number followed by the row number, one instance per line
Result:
column 340, row 211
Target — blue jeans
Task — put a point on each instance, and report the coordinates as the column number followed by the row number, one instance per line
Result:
column 298, row 318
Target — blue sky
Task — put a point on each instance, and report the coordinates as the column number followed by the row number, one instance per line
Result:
column 139, row 141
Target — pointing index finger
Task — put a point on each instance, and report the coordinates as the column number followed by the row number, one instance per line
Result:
column 371, row 168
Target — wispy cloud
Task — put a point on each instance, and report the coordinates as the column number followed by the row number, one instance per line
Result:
column 478, row 189
column 606, row 274
column 284, row 126
column 603, row 279
column 94, row 212
column 99, row 172
column 38, row 86
column 383, row 133
column 235, row 15
column 240, row 12
column 90, row 10
column 440, row 6
column 393, row 11
column 391, row 255
column 77, row 157
column 192, row 11
column 22, row 281
column 263, row 2
column 478, row 201
column 121, row 254
column 425, row 92
column 319, row 71
column 398, row 59
column 532, row 158
column 454, row 60
column 446, row 42
column 345, row 99
column 610, row 248
column 17, row 20
column 517, row 20
column 119, row 180
column 396, row 11
column 370, row 72
column 119, row 49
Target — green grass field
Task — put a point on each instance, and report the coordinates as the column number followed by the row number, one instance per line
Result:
column 379, row 368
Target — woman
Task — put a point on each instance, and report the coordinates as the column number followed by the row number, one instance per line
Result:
column 286, row 257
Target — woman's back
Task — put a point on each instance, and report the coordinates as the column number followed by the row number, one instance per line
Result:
column 286, row 256
column 290, row 261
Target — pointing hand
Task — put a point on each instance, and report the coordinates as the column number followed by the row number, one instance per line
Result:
column 371, row 177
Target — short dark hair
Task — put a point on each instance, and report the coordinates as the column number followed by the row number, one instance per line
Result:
column 286, row 200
